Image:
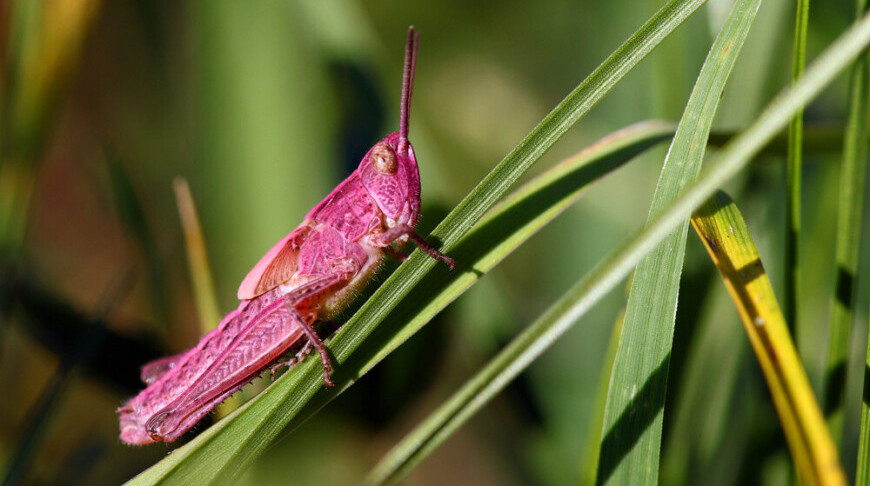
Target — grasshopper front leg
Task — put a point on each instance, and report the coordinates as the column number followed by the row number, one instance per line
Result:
column 386, row 238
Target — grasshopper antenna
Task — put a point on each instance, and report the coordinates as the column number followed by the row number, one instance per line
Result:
column 407, row 88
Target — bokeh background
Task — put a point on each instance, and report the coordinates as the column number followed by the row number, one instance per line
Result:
column 264, row 107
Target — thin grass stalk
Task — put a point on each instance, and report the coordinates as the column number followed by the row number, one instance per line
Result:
column 794, row 162
column 593, row 441
column 204, row 293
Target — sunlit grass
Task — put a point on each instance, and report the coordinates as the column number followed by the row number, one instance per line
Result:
column 263, row 108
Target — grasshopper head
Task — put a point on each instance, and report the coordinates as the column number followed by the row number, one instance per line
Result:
column 389, row 170
column 392, row 179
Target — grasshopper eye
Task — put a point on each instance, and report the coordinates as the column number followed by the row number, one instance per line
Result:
column 384, row 159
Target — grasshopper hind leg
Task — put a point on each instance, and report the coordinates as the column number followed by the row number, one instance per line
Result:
column 342, row 269
column 314, row 340
column 290, row 299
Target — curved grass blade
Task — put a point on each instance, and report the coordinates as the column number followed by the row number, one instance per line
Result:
column 524, row 212
column 504, row 229
column 723, row 231
column 632, row 432
column 853, row 173
column 520, row 352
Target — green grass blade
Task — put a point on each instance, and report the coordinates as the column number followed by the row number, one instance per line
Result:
column 593, row 441
column 793, row 174
column 631, row 437
column 849, row 216
column 517, row 355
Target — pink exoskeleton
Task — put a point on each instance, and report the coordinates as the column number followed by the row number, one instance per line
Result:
column 308, row 276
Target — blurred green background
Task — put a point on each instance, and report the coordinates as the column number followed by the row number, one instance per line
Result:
column 264, row 107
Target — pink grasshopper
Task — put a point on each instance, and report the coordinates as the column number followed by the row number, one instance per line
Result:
column 310, row 275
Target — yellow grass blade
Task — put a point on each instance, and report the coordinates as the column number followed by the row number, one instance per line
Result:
column 724, row 233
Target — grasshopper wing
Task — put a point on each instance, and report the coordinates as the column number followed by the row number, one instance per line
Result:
column 276, row 266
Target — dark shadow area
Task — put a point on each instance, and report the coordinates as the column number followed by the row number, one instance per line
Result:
column 385, row 392
column 760, row 449
column 113, row 358
column 633, row 421
column 79, row 342
column 835, row 381
column 845, row 293
column 865, row 394
column 361, row 110
column 751, row 271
